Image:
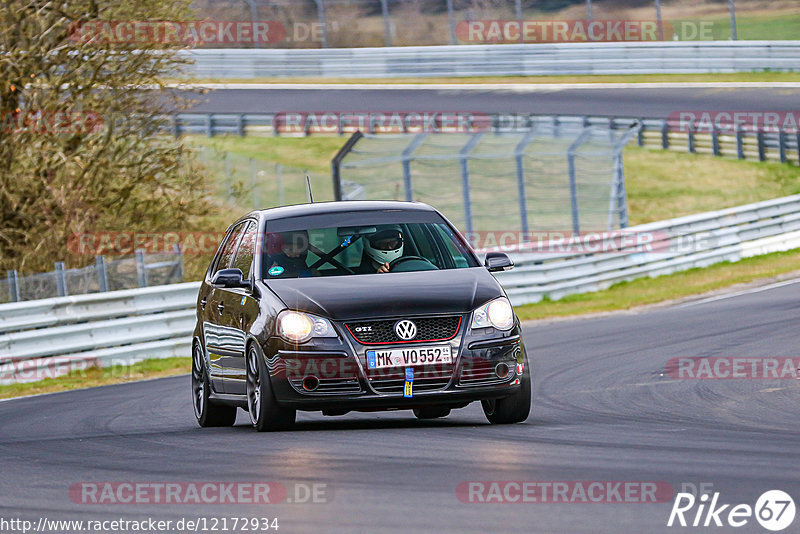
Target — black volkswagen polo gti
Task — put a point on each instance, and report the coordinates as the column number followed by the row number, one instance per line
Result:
column 362, row 306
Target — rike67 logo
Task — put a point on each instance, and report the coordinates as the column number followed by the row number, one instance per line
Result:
column 774, row 510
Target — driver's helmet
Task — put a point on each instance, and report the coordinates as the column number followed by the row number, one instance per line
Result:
column 385, row 245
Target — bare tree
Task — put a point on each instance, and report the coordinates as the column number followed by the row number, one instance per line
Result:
column 82, row 145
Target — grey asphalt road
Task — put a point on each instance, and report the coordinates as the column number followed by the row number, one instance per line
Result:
column 603, row 411
column 637, row 102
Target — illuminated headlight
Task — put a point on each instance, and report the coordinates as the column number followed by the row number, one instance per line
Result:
column 496, row 313
column 299, row 327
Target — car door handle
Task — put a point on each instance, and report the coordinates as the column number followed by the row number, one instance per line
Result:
column 203, row 303
column 221, row 306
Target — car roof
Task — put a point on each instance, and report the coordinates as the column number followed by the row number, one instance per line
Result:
column 343, row 206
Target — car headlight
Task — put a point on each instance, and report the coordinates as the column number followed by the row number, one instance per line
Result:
column 496, row 313
column 299, row 327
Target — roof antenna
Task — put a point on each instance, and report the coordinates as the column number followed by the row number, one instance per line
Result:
column 308, row 188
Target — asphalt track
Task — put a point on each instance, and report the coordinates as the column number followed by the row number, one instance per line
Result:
column 603, row 411
column 649, row 102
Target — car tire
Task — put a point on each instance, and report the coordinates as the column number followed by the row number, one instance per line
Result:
column 207, row 413
column 265, row 413
column 512, row 409
column 431, row 412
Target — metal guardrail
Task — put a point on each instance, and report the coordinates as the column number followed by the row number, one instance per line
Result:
column 654, row 133
column 40, row 338
column 157, row 322
column 674, row 245
column 499, row 60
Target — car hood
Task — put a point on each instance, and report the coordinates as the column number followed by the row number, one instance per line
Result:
column 389, row 295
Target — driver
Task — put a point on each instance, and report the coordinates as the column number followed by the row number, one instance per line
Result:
column 381, row 248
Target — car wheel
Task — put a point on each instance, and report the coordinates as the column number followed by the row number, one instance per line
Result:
column 512, row 409
column 431, row 412
column 207, row 413
column 265, row 413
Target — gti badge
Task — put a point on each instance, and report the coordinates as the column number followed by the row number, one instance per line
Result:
column 405, row 330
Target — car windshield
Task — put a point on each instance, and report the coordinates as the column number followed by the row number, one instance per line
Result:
column 302, row 247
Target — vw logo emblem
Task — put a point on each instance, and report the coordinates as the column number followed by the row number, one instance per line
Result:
column 405, row 329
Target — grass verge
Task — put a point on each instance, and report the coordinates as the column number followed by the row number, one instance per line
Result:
column 644, row 291
column 95, row 376
column 763, row 77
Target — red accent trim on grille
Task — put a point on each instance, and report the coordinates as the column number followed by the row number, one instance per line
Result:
column 458, row 327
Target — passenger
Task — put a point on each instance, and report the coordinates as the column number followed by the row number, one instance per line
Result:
column 287, row 255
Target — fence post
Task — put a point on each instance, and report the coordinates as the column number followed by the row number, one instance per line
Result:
column 739, row 143
column 407, row 152
column 179, row 252
column 102, row 273
column 61, row 282
column 451, row 22
column 141, row 268
column 336, row 163
column 573, row 183
column 176, row 126
column 240, row 124
column 715, row 140
column 640, row 135
column 762, row 154
column 387, row 23
column 464, row 154
column 690, row 138
column 797, row 140
column 228, row 179
column 13, row 285
column 279, row 178
column 518, row 9
column 322, row 21
column 733, row 20
column 658, row 21
column 782, row 145
column 523, row 201
column 664, row 135
column 209, row 125
column 254, row 183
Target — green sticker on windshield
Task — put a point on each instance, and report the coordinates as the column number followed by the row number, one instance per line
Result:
column 275, row 271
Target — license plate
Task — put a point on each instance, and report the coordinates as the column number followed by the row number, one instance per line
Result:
column 378, row 359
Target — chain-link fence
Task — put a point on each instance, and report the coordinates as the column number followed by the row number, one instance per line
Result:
column 553, row 176
column 371, row 23
column 251, row 183
column 141, row 270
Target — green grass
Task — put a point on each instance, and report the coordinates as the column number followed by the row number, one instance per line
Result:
column 757, row 27
column 664, row 184
column 644, row 291
column 95, row 376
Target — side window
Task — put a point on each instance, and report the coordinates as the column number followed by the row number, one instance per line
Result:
column 244, row 255
column 229, row 248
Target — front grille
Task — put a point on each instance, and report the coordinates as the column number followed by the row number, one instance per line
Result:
column 426, row 378
column 481, row 372
column 381, row 331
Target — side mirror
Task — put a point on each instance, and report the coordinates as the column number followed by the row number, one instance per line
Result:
column 229, row 278
column 497, row 261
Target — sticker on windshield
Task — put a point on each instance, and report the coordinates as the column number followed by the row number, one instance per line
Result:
column 275, row 271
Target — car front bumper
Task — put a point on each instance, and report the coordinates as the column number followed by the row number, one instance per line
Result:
column 487, row 363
